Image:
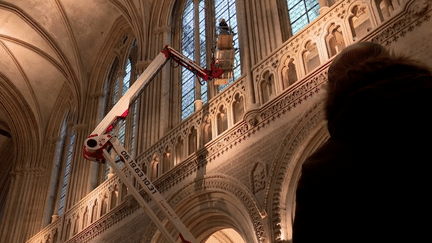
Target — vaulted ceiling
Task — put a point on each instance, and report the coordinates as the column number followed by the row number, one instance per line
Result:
column 51, row 45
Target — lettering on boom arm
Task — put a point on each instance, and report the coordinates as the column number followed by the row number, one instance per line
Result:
column 138, row 171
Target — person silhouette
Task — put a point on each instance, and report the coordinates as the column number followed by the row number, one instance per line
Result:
column 369, row 181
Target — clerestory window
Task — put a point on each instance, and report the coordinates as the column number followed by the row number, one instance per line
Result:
column 118, row 82
column 197, row 43
column 301, row 13
column 64, row 155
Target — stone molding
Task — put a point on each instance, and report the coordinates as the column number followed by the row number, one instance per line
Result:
column 416, row 14
column 283, row 162
column 226, row 184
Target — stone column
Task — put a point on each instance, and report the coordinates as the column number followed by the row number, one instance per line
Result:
column 164, row 33
column 94, row 167
column 18, row 222
column 246, row 52
column 143, row 113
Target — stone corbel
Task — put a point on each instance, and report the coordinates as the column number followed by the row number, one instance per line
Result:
column 323, row 7
column 419, row 7
column 251, row 116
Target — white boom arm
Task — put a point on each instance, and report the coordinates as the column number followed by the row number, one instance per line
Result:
column 99, row 142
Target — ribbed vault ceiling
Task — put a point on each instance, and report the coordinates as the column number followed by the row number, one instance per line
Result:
column 46, row 44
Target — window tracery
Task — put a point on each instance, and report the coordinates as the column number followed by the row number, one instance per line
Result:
column 267, row 86
column 289, row 73
column 311, row 57
column 359, row 21
column 386, row 8
column 334, row 40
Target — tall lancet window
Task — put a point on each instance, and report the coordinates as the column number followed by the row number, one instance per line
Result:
column 226, row 9
column 195, row 24
column 68, row 143
column 189, row 50
column 120, row 78
column 302, row 12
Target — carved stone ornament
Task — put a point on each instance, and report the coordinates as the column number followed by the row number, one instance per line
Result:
column 259, row 177
column 251, row 117
column 419, row 7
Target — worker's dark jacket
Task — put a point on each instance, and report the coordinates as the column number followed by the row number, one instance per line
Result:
column 371, row 181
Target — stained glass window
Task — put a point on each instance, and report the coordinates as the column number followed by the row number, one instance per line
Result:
column 226, row 9
column 114, row 90
column 68, row 167
column 188, row 49
column 223, row 9
column 302, row 12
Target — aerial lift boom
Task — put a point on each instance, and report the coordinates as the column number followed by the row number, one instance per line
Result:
column 100, row 141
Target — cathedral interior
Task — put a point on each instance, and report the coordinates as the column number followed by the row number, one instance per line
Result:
column 226, row 158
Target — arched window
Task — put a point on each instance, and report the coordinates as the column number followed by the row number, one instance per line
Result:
column 68, row 143
column 226, row 9
column 194, row 19
column 334, row 40
column 119, row 80
column 302, row 12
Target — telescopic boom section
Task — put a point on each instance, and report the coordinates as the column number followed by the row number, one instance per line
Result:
column 99, row 142
column 120, row 110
